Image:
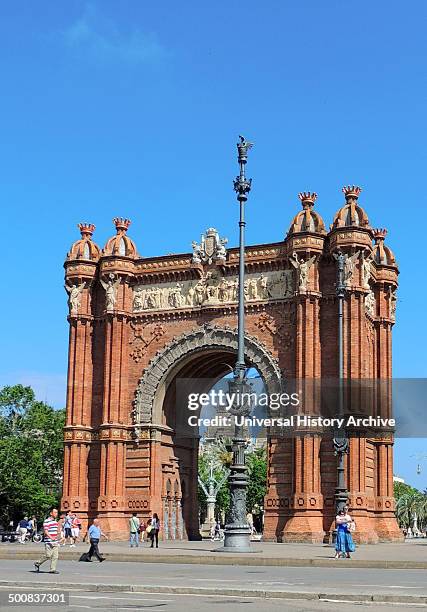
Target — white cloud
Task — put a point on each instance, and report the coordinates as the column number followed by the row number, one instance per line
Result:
column 96, row 37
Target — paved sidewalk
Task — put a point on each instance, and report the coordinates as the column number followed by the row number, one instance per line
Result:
column 409, row 555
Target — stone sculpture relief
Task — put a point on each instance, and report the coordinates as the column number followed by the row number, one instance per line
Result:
column 370, row 303
column 349, row 268
column 393, row 304
column 366, row 271
column 211, row 248
column 212, row 289
column 303, row 268
column 110, row 291
column 74, row 297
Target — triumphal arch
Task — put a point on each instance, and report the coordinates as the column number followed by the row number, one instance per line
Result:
column 137, row 324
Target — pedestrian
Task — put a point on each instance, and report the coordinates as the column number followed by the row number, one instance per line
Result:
column 155, row 528
column 142, row 529
column 62, row 528
column 217, row 532
column 75, row 529
column 95, row 532
column 32, row 526
column 134, row 530
column 344, row 544
column 68, row 521
column 51, row 539
column 22, row 529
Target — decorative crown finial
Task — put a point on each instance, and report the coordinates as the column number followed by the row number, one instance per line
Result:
column 351, row 191
column 379, row 234
column 307, row 198
column 121, row 224
column 86, row 229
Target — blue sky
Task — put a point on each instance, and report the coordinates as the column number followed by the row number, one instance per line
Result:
column 133, row 109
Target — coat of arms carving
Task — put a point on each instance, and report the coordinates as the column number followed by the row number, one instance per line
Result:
column 211, row 248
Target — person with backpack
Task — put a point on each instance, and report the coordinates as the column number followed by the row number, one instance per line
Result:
column 134, row 526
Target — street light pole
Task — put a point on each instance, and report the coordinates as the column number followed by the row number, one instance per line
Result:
column 237, row 533
column 340, row 441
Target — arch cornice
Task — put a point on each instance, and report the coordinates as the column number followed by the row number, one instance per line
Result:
column 207, row 337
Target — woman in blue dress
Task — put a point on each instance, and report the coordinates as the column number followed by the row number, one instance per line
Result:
column 344, row 544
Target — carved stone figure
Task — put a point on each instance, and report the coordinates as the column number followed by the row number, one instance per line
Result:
column 110, row 291
column 139, row 300
column 233, row 290
column 246, row 290
column 302, row 268
column 253, row 289
column 349, row 268
column 393, row 304
column 190, row 295
column 211, row 287
column 221, row 251
column 175, row 296
column 74, row 297
column 263, row 286
column 223, row 294
column 366, row 271
column 197, row 255
column 370, row 303
column 200, row 292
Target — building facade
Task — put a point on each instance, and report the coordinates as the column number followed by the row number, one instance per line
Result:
column 138, row 325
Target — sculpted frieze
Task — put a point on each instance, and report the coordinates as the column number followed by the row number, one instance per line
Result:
column 213, row 289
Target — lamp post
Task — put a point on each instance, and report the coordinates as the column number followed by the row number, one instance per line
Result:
column 237, row 533
column 340, row 441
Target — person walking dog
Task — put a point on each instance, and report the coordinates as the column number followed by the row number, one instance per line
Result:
column 51, row 538
column 95, row 533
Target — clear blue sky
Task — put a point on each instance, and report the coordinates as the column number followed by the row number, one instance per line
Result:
column 131, row 108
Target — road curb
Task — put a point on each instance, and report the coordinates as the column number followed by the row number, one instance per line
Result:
column 227, row 592
column 226, row 559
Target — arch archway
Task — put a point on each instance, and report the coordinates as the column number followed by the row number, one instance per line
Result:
column 197, row 359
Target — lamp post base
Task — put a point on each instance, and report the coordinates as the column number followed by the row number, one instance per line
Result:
column 237, row 540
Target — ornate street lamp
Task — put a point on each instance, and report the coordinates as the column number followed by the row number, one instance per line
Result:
column 237, row 534
column 340, row 440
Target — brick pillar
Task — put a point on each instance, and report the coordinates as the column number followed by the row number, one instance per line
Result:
column 113, row 430
column 78, row 431
column 356, row 348
column 385, row 521
column 306, row 501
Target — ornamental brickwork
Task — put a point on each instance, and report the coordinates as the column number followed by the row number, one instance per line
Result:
column 137, row 324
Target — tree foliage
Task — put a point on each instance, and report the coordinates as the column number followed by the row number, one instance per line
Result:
column 31, row 454
column 257, row 488
column 410, row 503
column 219, row 453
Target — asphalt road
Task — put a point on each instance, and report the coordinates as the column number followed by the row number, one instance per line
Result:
column 353, row 581
column 122, row 602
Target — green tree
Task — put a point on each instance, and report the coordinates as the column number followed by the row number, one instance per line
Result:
column 31, row 454
column 223, row 495
column 257, row 488
column 410, row 502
